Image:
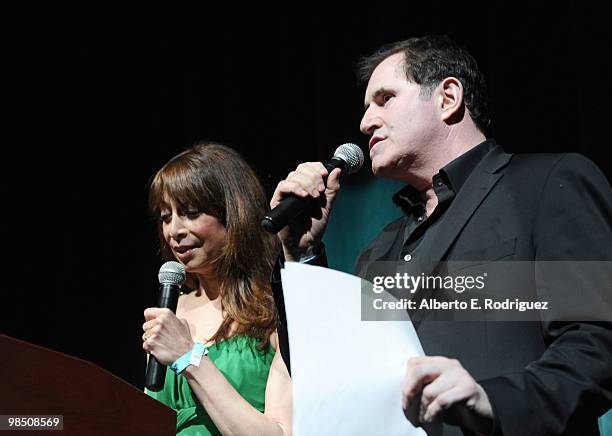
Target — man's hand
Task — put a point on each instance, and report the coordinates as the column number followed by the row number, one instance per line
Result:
column 445, row 390
column 303, row 235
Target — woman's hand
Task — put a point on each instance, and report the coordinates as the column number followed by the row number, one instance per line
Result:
column 165, row 336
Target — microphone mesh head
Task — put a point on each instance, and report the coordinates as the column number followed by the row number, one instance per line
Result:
column 352, row 155
column 172, row 273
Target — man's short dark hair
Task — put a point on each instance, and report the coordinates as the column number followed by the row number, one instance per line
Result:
column 429, row 60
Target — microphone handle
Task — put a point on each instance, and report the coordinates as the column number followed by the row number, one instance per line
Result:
column 156, row 372
column 291, row 207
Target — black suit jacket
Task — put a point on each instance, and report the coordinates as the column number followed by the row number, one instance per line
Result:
column 541, row 377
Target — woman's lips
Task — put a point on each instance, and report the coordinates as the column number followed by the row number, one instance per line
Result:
column 184, row 253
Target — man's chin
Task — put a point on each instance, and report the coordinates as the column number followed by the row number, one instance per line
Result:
column 394, row 169
column 376, row 168
column 380, row 170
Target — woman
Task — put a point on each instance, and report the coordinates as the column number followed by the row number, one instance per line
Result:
column 209, row 204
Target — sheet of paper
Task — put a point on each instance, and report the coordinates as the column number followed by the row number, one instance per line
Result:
column 347, row 374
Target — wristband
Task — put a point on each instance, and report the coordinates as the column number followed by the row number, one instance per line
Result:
column 317, row 252
column 192, row 357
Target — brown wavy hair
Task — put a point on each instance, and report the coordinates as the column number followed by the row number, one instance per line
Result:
column 215, row 179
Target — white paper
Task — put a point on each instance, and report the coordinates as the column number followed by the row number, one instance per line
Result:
column 347, row 374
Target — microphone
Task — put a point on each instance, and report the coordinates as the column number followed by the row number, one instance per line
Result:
column 348, row 157
column 171, row 277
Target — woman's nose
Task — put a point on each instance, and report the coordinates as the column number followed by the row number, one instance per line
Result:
column 176, row 228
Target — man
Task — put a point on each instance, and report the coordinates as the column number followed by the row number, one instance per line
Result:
column 467, row 199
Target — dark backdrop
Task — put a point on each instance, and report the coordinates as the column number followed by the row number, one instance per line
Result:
column 96, row 107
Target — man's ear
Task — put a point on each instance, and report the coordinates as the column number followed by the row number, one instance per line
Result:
column 450, row 93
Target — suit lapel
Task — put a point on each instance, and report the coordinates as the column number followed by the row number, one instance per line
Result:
column 478, row 185
column 480, row 182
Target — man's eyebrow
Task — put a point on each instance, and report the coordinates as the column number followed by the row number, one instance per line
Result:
column 376, row 94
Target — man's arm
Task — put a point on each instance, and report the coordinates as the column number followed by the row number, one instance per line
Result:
column 574, row 375
column 318, row 259
column 301, row 239
column 570, row 385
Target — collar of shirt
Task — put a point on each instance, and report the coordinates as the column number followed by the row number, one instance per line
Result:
column 446, row 183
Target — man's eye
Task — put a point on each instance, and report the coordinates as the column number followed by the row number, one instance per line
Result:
column 387, row 97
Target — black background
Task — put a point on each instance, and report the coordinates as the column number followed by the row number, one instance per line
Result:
column 96, row 105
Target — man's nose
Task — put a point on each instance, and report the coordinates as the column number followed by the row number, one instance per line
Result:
column 369, row 122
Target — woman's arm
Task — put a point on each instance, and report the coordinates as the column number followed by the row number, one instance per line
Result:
column 231, row 413
column 169, row 338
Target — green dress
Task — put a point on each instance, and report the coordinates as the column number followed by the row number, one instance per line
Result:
column 244, row 365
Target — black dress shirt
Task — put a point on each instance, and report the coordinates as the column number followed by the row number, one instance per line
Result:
column 446, row 184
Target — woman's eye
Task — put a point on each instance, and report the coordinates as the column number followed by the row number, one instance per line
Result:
column 192, row 214
column 165, row 217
